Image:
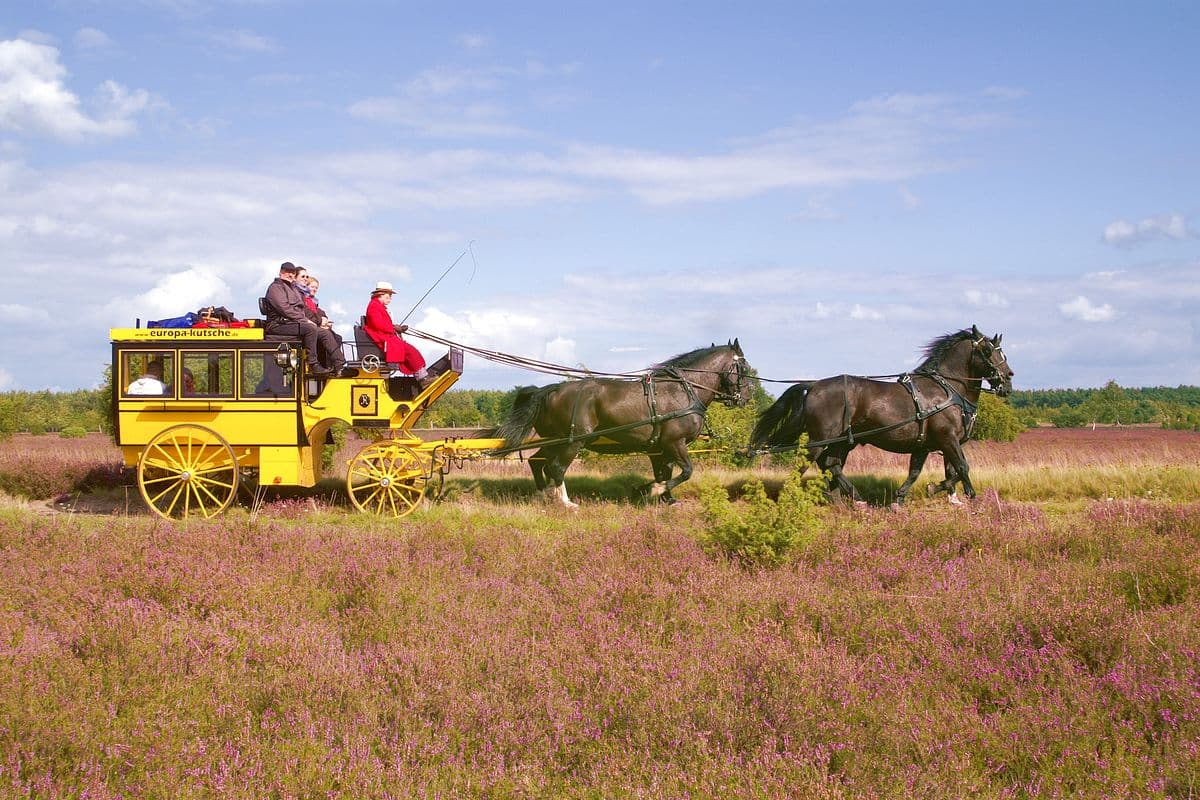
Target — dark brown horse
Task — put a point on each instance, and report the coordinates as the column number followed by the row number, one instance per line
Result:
column 931, row 409
column 658, row 414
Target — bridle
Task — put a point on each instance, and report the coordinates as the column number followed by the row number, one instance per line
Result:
column 731, row 382
column 733, row 397
column 987, row 349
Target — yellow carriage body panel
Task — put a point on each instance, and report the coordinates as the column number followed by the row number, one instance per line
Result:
column 228, row 381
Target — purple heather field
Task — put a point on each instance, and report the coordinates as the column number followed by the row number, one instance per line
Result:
column 1043, row 641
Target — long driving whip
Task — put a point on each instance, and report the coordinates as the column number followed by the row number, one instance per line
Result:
column 444, row 274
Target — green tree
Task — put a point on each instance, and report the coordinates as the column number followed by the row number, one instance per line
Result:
column 997, row 421
column 453, row 410
column 1067, row 416
column 1111, row 405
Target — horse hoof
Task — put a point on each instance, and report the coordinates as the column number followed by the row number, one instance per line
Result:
column 895, row 507
column 658, row 490
column 930, row 489
column 954, row 501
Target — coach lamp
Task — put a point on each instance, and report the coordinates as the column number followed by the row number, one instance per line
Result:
column 286, row 358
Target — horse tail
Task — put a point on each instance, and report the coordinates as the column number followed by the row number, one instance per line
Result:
column 782, row 423
column 525, row 410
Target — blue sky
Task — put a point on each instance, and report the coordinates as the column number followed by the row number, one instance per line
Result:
column 834, row 184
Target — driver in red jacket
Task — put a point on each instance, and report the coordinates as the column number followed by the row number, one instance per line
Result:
column 386, row 334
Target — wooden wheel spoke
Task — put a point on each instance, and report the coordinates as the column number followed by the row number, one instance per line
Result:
column 180, row 490
column 203, row 477
column 370, row 498
column 167, row 462
column 186, row 470
column 199, row 487
column 175, row 486
column 172, row 479
column 386, row 479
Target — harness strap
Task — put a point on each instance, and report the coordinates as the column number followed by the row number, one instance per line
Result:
column 847, row 423
column 906, row 381
column 652, row 403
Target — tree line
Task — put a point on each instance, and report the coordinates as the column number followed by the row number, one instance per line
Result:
column 1172, row 407
column 86, row 410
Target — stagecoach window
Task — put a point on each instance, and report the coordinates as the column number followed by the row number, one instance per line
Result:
column 206, row 374
column 262, row 377
column 137, row 364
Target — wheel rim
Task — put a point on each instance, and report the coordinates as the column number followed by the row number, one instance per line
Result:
column 188, row 470
column 386, row 479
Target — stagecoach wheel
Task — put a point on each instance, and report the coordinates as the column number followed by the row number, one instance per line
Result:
column 188, row 470
column 386, row 479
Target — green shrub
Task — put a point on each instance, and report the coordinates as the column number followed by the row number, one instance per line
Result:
column 334, row 442
column 730, row 432
column 760, row 531
column 73, row 432
column 1068, row 417
column 997, row 421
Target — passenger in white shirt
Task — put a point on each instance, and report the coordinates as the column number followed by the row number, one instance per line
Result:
column 151, row 382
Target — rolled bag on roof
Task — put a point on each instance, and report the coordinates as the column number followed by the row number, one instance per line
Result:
column 186, row 321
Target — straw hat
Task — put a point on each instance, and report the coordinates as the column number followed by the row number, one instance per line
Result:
column 383, row 287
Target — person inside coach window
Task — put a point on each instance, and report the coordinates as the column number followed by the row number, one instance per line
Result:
column 151, row 381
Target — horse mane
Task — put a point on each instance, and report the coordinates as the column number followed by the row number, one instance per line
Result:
column 688, row 359
column 940, row 347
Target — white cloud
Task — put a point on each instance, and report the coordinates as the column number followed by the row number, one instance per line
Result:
column 473, row 41
column 17, row 314
column 175, row 295
column 455, row 101
column 92, row 40
column 1123, row 233
column 861, row 312
column 911, row 201
column 34, row 100
column 1005, row 92
column 976, row 297
column 885, row 139
column 244, row 41
column 37, row 37
column 818, row 208
column 1082, row 309
column 114, row 101
column 561, row 350
column 436, row 119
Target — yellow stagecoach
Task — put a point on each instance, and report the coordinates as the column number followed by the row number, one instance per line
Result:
column 230, row 406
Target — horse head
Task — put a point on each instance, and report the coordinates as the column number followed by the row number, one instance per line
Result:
column 734, row 390
column 989, row 362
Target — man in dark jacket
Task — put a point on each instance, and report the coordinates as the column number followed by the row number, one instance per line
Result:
column 288, row 316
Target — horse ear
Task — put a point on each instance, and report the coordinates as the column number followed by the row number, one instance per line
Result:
column 996, row 339
column 737, row 345
column 975, row 331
